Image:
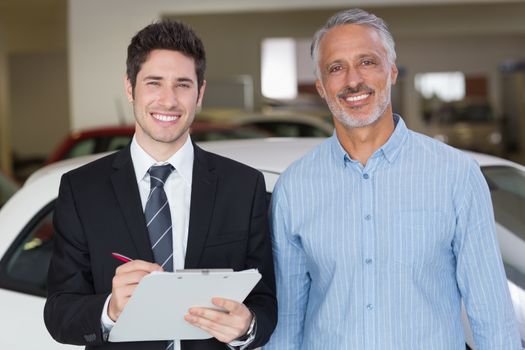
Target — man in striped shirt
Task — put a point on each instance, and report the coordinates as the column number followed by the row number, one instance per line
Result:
column 379, row 233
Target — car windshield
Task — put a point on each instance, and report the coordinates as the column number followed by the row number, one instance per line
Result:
column 507, row 188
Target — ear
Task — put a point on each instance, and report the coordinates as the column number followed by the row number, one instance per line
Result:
column 319, row 88
column 394, row 72
column 128, row 88
column 201, row 93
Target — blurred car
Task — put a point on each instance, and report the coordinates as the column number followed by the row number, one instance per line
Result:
column 113, row 138
column 26, row 236
column 8, row 187
column 91, row 141
column 285, row 124
column 288, row 125
column 468, row 124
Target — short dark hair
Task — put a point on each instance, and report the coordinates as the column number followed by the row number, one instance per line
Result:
column 165, row 35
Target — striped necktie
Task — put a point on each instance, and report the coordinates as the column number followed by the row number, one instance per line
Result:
column 158, row 217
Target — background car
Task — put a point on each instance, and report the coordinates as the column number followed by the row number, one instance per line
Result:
column 277, row 124
column 26, row 232
column 91, row 141
column 467, row 124
column 113, row 138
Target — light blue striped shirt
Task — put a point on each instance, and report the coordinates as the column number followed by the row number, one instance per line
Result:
column 379, row 257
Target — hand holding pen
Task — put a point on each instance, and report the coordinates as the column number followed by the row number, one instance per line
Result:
column 127, row 277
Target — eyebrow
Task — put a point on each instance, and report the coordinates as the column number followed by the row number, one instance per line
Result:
column 334, row 62
column 157, row 77
column 370, row 55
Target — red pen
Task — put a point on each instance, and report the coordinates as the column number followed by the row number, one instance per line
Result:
column 121, row 257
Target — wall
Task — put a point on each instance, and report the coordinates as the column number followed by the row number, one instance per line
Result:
column 5, row 127
column 97, row 52
column 34, row 108
column 34, row 25
column 235, row 48
column 39, row 102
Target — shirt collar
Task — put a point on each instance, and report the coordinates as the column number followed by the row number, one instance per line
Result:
column 182, row 160
column 390, row 149
column 338, row 151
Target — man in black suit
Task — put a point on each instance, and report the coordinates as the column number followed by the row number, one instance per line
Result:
column 216, row 212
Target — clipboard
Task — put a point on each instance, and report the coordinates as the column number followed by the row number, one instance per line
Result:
column 157, row 307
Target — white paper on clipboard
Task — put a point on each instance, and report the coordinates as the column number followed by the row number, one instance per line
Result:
column 157, row 307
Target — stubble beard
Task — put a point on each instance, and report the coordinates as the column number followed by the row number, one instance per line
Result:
column 350, row 121
column 150, row 133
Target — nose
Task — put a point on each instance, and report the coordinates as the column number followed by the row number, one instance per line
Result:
column 168, row 98
column 354, row 77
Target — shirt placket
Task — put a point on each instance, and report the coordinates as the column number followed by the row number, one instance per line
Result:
column 368, row 257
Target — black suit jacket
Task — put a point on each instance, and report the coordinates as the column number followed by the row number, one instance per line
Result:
column 99, row 211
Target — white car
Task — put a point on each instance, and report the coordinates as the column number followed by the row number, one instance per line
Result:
column 276, row 124
column 26, row 232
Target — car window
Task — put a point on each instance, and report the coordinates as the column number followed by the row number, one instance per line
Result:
column 227, row 134
column 290, row 129
column 82, row 148
column 24, row 266
column 118, row 142
column 507, row 189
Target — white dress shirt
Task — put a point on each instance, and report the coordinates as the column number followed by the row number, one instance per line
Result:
column 178, row 190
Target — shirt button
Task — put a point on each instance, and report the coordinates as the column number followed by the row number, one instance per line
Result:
column 370, row 307
column 368, row 217
column 368, row 261
column 365, row 176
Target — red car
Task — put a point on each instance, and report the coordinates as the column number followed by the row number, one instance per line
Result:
column 112, row 138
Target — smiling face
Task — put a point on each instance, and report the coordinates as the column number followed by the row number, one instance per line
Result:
column 165, row 99
column 355, row 75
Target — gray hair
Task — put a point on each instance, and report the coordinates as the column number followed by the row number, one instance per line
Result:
column 354, row 16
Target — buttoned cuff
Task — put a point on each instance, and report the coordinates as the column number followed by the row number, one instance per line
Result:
column 106, row 323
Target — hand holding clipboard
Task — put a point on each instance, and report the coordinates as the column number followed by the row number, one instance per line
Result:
column 158, row 305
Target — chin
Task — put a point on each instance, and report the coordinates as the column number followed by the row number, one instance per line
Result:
column 353, row 122
column 168, row 139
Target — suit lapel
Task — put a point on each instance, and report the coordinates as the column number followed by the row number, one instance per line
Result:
column 126, row 190
column 203, row 189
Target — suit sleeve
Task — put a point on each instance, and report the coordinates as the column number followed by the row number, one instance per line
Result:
column 72, row 310
column 479, row 271
column 262, row 300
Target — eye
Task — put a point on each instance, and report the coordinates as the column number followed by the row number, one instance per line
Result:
column 184, row 85
column 335, row 68
column 368, row 62
column 153, row 83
